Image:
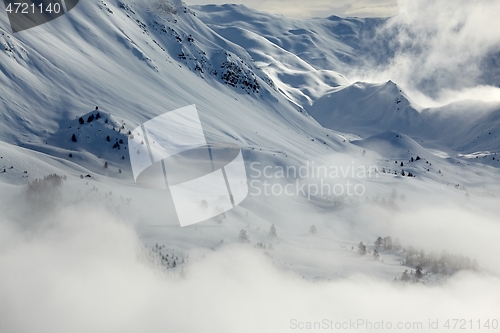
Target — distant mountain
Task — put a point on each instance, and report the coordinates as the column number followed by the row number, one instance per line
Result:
column 308, row 61
column 367, row 109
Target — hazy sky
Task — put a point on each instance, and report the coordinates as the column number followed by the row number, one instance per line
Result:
column 302, row 9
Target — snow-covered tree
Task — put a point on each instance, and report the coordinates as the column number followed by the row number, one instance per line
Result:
column 272, row 231
column 361, row 248
column 243, row 237
column 388, row 243
column 418, row 272
column 313, row 230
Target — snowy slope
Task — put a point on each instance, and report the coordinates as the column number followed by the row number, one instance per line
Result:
column 367, row 108
column 168, row 59
column 139, row 60
column 325, row 43
column 300, row 55
column 297, row 79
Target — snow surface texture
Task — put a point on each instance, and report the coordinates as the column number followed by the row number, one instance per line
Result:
column 107, row 255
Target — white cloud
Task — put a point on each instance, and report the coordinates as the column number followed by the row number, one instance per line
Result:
column 441, row 48
column 86, row 274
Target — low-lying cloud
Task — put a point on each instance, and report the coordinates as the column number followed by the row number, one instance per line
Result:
column 87, row 273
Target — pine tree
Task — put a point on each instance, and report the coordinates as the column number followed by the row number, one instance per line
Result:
column 81, row 121
column 243, row 237
column 105, row 165
column 272, row 231
column 108, row 138
column 388, row 243
column 378, row 242
column 73, row 138
column 361, row 248
column 418, row 272
column 405, row 277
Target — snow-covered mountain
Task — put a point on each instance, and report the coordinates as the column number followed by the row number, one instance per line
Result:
column 109, row 54
column 254, row 77
column 257, row 79
column 279, row 88
column 363, row 108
